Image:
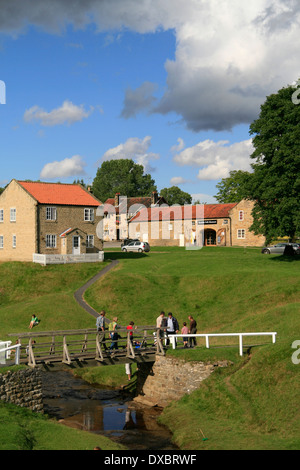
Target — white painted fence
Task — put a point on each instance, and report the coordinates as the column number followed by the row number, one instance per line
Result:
column 5, row 352
column 210, row 335
column 64, row 259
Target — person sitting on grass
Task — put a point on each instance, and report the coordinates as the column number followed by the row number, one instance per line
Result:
column 34, row 321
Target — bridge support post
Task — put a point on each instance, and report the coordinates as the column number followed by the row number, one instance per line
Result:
column 99, row 355
column 66, row 356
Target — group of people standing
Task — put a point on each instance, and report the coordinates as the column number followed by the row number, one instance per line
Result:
column 169, row 325
column 112, row 330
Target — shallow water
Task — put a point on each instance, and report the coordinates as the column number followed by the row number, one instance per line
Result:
column 108, row 412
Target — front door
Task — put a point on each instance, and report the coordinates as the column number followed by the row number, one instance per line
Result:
column 76, row 245
column 210, row 237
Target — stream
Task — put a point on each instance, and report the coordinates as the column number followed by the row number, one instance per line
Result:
column 96, row 409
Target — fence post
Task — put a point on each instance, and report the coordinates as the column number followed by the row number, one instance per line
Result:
column 17, row 355
column 241, row 344
column 207, row 341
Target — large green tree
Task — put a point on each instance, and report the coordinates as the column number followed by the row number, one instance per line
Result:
column 175, row 195
column 232, row 189
column 275, row 182
column 122, row 176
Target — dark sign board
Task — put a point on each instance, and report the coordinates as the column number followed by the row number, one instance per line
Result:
column 207, row 222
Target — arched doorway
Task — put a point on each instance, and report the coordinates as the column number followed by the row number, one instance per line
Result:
column 209, row 237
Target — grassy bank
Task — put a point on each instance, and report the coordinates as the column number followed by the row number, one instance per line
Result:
column 28, row 288
column 21, row 429
column 251, row 405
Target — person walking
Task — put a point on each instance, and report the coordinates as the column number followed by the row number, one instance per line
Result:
column 100, row 325
column 113, row 333
column 192, row 331
column 172, row 326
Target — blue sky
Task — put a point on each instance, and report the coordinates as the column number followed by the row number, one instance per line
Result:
column 172, row 84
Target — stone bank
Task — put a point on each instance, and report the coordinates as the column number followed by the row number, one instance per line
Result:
column 23, row 388
column 169, row 378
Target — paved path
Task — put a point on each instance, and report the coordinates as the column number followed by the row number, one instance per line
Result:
column 80, row 292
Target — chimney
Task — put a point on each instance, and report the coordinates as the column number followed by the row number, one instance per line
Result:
column 117, row 197
column 154, row 198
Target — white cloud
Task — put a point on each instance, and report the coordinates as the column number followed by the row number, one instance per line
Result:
column 73, row 166
column 176, row 180
column 216, row 159
column 67, row 113
column 179, row 146
column 229, row 54
column 134, row 148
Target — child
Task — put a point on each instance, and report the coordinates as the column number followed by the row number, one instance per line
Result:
column 185, row 331
column 34, row 321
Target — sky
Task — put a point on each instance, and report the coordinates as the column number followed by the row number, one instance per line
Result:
column 172, row 84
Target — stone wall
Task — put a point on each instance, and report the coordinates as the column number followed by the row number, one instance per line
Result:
column 170, row 378
column 22, row 388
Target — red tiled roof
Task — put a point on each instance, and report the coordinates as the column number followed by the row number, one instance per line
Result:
column 183, row 212
column 57, row 193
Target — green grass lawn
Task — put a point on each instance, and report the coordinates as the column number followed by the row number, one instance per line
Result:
column 250, row 405
column 254, row 404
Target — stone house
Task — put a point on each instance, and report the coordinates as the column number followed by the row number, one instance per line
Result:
column 120, row 209
column 200, row 225
column 47, row 218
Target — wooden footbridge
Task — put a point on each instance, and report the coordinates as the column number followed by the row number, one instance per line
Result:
column 86, row 348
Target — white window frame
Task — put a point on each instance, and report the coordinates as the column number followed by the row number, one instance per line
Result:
column 1, row 242
column 241, row 234
column 88, row 214
column 1, row 215
column 241, row 216
column 13, row 214
column 50, row 241
column 51, row 213
column 14, row 241
column 90, row 241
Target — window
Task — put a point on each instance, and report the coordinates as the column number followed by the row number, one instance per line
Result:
column 50, row 213
column 90, row 241
column 1, row 215
column 14, row 241
column 89, row 215
column 1, row 241
column 241, row 215
column 13, row 215
column 50, row 241
column 241, row 233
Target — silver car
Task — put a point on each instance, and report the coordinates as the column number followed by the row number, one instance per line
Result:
column 279, row 248
column 137, row 246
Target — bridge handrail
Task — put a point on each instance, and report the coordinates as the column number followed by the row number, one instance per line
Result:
column 172, row 337
column 17, row 347
column 73, row 332
column 63, row 344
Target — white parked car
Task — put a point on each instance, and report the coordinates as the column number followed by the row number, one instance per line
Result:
column 137, row 246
